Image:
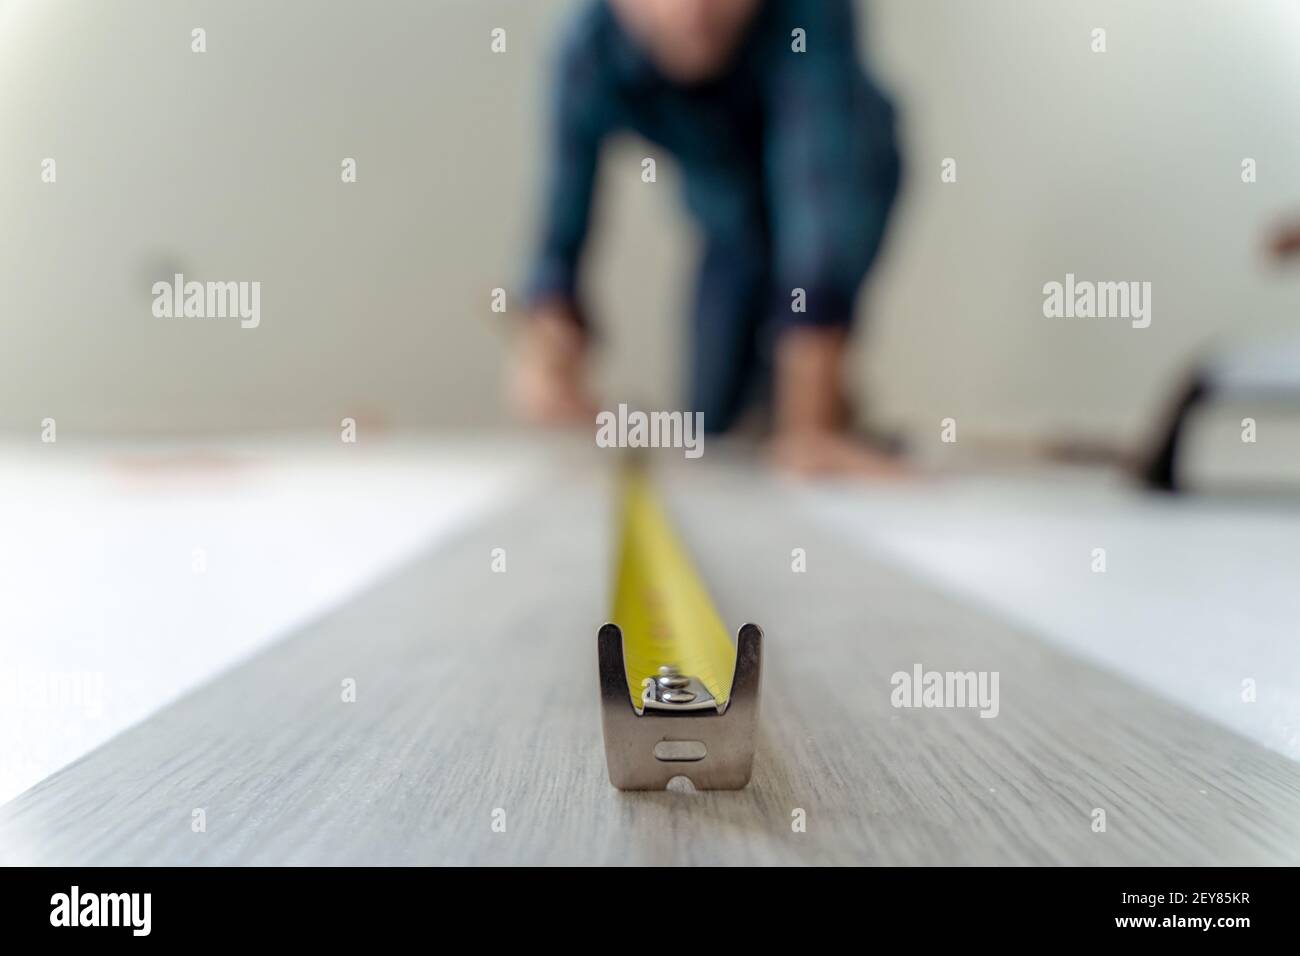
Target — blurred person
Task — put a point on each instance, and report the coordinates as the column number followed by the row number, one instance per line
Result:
column 790, row 168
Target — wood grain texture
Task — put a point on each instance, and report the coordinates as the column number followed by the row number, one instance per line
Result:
column 477, row 690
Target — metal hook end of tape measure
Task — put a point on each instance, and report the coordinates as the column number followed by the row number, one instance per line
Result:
column 711, row 745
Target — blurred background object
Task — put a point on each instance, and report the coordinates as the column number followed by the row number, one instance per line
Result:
column 376, row 301
column 1211, row 437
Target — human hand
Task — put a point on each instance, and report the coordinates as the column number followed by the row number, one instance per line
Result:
column 547, row 379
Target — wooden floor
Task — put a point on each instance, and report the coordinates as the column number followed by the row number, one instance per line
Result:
column 476, row 693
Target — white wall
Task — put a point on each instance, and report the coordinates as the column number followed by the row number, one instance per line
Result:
column 1122, row 165
column 225, row 165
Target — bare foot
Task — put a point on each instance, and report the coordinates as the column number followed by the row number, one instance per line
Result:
column 811, row 454
column 548, row 374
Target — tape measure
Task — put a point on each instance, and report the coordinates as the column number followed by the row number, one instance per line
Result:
column 679, row 698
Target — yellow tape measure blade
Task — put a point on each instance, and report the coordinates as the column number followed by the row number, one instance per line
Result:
column 660, row 603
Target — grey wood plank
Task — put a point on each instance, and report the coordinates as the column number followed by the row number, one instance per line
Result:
column 476, row 691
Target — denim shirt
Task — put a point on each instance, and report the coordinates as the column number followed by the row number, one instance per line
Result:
column 794, row 147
